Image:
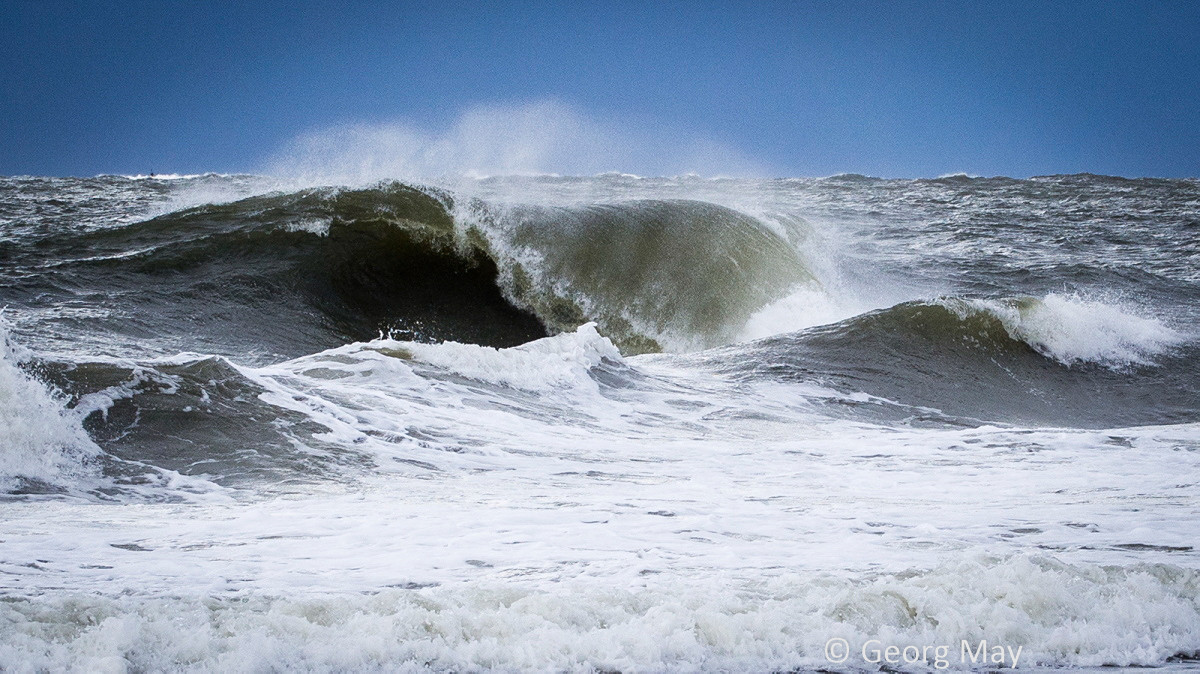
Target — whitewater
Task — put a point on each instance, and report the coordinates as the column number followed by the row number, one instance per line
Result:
column 602, row 423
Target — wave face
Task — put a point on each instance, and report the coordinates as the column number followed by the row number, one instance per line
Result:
column 653, row 273
column 610, row 423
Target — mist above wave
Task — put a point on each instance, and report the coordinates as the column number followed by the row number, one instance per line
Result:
column 533, row 138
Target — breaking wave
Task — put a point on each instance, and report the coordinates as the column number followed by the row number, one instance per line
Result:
column 1073, row 330
column 43, row 446
column 299, row 272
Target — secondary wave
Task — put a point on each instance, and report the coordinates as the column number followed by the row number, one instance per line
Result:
column 1056, row 360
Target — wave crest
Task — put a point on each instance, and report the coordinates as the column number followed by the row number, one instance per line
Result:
column 1054, row 360
column 1074, row 330
column 427, row 265
column 672, row 275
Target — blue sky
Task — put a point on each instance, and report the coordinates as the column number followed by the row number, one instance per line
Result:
column 881, row 88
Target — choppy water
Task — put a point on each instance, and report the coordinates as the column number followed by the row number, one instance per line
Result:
column 607, row 423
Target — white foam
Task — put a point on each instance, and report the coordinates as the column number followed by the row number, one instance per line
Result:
column 1071, row 329
column 1055, row 614
column 318, row 226
column 562, row 361
column 39, row 438
column 804, row 307
column 686, row 523
column 172, row 176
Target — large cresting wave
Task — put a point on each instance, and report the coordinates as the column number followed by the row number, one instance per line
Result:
column 297, row 272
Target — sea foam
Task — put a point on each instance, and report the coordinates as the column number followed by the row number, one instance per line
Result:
column 1056, row 614
column 562, row 361
column 40, row 440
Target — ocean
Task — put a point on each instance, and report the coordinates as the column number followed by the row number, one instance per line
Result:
column 599, row 424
